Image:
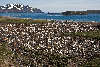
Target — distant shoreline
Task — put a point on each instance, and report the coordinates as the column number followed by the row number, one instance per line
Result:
column 7, row 19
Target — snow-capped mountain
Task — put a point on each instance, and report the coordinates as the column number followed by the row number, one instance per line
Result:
column 18, row 8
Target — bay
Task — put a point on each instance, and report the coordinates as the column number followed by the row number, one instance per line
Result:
column 82, row 18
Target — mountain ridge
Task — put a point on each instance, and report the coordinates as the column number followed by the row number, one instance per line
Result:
column 19, row 8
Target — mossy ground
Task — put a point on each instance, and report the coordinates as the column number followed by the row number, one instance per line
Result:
column 5, row 55
column 93, row 63
column 19, row 20
column 89, row 34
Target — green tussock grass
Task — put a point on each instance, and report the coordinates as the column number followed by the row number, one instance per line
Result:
column 4, row 52
column 89, row 34
column 4, row 55
column 21, row 20
column 93, row 63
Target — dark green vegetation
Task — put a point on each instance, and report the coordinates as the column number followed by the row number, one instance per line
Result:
column 89, row 34
column 5, row 55
column 93, row 63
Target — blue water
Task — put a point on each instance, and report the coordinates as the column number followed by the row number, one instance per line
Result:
column 89, row 17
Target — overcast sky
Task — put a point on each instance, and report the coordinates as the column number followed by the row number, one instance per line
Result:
column 57, row 5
